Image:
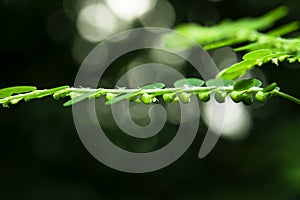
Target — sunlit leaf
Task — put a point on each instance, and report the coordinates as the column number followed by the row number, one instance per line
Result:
column 237, row 70
column 254, row 55
column 6, row 92
column 231, row 76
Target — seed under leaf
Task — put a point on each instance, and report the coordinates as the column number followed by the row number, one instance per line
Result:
column 185, row 97
column 131, row 98
column 110, row 96
column 176, row 99
column 247, row 99
column 147, row 98
column 204, row 96
column 236, row 96
column 261, row 97
column 220, row 96
column 168, row 98
column 137, row 100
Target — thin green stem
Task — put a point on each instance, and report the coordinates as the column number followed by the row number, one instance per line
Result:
column 287, row 96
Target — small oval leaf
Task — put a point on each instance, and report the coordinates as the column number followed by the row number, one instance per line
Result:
column 219, row 82
column 153, row 86
column 246, row 84
column 78, row 99
column 122, row 97
column 254, row 55
column 191, row 82
column 231, row 76
column 246, row 64
column 6, row 92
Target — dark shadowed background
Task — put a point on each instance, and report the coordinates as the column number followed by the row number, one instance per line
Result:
column 43, row 43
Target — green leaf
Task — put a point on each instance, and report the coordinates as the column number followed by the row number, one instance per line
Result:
column 224, row 43
column 254, row 55
column 219, row 82
column 153, row 86
column 245, row 65
column 246, row 84
column 122, row 97
column 253, row 46
column 237, row 70
column 231, row 76
column 6, row 92
column 285, row 29
column 43, row 93
column 78, row 99
column 191, row 82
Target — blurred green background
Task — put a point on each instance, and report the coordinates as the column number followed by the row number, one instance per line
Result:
column 43, row 43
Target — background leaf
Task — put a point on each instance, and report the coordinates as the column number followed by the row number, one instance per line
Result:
column 254, row 55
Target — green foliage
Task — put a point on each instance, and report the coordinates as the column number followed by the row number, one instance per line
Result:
column 242, row 90
column 227, row 32
column 260, row 48
column 189, row 82
column 245, row 84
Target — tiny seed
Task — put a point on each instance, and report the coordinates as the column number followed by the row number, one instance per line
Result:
column 204, row 96
column 185, row 97
column 236, row 96
column 247, row 99
column 147, row 98
column 261, row 97
column 168, row 98
column 220, row 96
